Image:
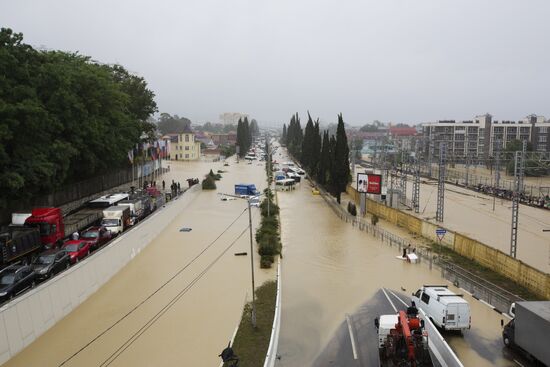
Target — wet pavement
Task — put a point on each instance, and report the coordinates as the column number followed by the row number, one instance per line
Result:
column 196, row 327
column 330, row 269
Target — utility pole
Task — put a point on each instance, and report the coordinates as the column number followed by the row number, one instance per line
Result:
column 403, row 187
column 519, row 168
column 430, row 154
column 352, row 157
column 467, row 168
column 391, row 189
column 497, row 170
column 441, row 183
column 252, row 265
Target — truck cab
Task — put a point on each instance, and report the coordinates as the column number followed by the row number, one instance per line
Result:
column 446, row 309
column 49, row 222
column 116, row 219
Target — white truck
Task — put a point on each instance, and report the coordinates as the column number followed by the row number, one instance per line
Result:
column 116, row 219
column 446, row 309
column 136, row 210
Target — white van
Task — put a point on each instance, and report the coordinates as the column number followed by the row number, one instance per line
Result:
column 446, row 309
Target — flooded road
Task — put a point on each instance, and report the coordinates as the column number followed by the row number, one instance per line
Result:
column 330, row 269
column 194, row 328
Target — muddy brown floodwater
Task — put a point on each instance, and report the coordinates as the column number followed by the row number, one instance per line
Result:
column 195, row 330
column 330, row 268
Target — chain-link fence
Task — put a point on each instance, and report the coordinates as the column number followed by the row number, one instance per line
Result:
column 480, row 288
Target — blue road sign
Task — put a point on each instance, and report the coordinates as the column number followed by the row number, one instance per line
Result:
column 440, row 231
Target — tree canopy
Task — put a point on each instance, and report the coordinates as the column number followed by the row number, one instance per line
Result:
column 168, row 124
column 64, row 117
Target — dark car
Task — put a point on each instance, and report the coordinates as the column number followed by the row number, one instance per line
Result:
column 16, row 279
column 96, row 236
column 49, row 263
column 77, row 249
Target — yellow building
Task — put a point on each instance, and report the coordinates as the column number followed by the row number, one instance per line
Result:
column 186, row 148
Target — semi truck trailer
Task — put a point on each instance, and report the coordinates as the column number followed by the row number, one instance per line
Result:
column 529, row 330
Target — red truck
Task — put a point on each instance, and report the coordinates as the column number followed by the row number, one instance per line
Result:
column 54, row 227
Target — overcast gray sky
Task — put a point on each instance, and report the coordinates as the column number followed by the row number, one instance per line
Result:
column 400, row 61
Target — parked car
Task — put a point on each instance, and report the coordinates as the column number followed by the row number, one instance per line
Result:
column 16, row 279
column 96, row 236
column 50, row 262
column 77, row 249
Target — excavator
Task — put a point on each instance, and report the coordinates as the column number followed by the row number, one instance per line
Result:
column 402, row 340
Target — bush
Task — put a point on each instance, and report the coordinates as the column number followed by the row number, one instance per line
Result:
column 374, row 219
column 214, row 176
column 266, row 261
column 273, row 208
column 208, row 183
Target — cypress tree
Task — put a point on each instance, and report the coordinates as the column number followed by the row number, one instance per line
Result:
column 283, row 138
column 324, row 160
column 316, row 149
column 240, row 139
column 307, row 145
column 341, row 170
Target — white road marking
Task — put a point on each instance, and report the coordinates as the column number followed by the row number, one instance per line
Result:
column 389, row 300
column 396, row 296
column 351, row 336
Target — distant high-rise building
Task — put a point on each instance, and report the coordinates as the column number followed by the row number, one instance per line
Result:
column 480, row 136
column 232, row 118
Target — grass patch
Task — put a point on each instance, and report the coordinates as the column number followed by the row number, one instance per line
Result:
column 251, row 344
column 483, row 272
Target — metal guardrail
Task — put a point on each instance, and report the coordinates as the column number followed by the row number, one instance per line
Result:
column 271, row 356
column 438, row 346
column 480, row 288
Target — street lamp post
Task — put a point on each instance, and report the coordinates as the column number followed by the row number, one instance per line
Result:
column 252, row 265
column 249, row 200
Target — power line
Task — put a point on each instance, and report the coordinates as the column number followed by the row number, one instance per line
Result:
column 152, row 294
column 135, row 336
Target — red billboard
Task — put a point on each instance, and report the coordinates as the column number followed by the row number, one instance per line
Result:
column 369, row 183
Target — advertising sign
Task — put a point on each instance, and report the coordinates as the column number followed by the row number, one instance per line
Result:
column 369, row 183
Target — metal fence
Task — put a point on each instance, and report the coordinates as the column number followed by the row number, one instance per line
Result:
column 480, row 288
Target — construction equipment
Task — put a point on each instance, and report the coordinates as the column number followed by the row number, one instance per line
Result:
column 402, row 340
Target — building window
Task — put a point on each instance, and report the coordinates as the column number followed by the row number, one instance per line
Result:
column 543, row 130
column 524, row 130
column 187, row 147
column 186, row 137
column 187, row 156
column 542, row 138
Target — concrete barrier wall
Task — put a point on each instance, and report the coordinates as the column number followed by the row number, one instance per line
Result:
column 24, row 319
column 271, row 356
column 535, row 280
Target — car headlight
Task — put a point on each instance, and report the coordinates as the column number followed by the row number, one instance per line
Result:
column 43, row 271
column 2, row 294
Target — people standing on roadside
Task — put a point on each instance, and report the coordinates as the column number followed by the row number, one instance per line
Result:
column 163, row 185
column 179, row 188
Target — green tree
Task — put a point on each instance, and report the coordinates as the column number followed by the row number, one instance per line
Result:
column 306, row 158
column 254, row 129
column 284, row 137
column 340, row 171
column 168, row 124
column 64, row 118
column 324, row 161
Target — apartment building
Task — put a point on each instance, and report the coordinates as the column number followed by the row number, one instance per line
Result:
column 481, row 136
column 187, row 148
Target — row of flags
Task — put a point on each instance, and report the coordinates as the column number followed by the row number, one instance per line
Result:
column 156, row 150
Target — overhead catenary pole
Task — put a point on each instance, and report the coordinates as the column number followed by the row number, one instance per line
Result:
column 441, row 183
column 519, row 168
column 497, row 171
